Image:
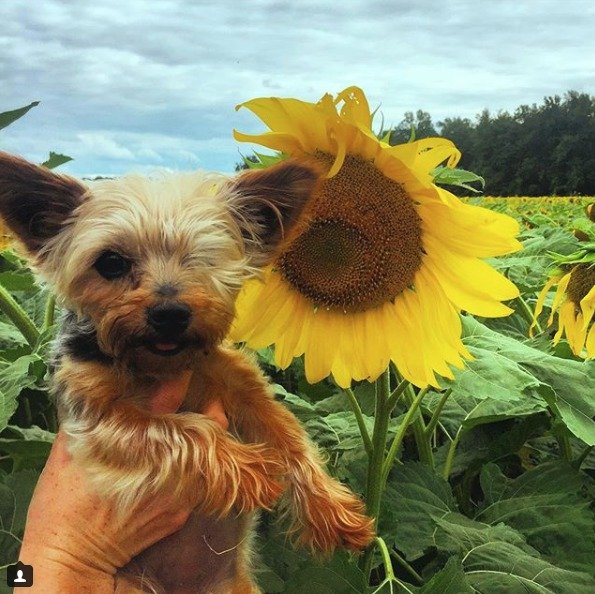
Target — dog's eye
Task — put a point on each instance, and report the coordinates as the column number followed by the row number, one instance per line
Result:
column 112, row 265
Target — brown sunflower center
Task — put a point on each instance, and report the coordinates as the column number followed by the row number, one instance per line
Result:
column 582, row 280
column 362, row 245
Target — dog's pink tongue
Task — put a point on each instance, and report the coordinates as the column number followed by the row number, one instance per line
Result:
column 167, row 346
column 170, row 394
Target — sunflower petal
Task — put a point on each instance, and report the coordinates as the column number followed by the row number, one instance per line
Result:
column 470, row 230
column 355, row 109
column 293, row 118
column 588, row 307
column 559, row 296
column 541, row 300
column 279, row 142
column 321, row 348
column 472, row 285
column 286, row 345
column 590, row 343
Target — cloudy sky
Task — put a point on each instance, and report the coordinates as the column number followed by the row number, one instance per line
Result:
column 136, row 84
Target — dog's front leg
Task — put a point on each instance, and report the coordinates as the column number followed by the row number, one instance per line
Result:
column 325, row 513
column 132, row 454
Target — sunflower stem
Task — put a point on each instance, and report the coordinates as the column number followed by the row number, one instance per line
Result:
column 451, row 454
column 528, row 315
column 375, row 483
column 579, row 461
column 396, row 394
column 388, row 566
column 359, row 417
column 19, row 317
column 398, row 440
column 564, row 445
column 424, row 447
column 50, row 310
column 437, row 412
column 403, row 563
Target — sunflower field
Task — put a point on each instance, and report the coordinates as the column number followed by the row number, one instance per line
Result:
column 438, row 350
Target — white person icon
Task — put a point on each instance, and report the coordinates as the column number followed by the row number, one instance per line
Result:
column 19, row 575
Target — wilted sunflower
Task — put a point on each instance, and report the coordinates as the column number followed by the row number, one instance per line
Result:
column 384, row 259
column 574, row 301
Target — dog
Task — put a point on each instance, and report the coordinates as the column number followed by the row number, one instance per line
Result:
column 148, row 269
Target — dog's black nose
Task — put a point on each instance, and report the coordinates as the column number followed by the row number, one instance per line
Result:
column 169, row 318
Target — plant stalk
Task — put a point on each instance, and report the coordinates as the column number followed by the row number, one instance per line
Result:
column 579, row 461
column 398, row 440
column 396, row 393
column 451, row 454
column 18, row 317
column 50, row 311
column 403, row 563
column 422, row 440
column 359, row 417
column 375, row 484
column 437, row 412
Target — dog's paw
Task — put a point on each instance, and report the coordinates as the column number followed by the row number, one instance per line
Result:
column 335, row 518
column 244, row 477
column 260, row 472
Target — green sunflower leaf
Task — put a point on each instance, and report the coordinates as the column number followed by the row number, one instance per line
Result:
column 548, row 506
column 260, row 160
column 339, row 576
column 496, row 560
column 14, row 377
column 413, row 498
column 8, row 117
column 16, row 490
column 449, row 580
column 55, row 160
column 28, row 448
column 457, row 177
column 506, row 369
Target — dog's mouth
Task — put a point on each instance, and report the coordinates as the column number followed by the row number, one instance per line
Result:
column 168, row 346
column 165, row 349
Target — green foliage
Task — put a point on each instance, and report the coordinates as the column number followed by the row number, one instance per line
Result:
column 447, row 176
column 8, row 117
column 55, row 160
column 538, row 150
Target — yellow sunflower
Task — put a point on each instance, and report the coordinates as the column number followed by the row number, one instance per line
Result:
column 574, row 301
column 4, row 236
column 384, row 260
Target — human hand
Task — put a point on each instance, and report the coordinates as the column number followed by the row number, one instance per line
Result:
column 75, row 540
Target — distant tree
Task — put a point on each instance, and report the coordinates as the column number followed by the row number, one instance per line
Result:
column 421, row 121
column 461, row 131
column 538, row 150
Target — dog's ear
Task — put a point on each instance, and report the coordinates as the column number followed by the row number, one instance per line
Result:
column 34, row 202
column 266, row 204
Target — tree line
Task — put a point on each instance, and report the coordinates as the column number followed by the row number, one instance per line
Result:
column 538, row 150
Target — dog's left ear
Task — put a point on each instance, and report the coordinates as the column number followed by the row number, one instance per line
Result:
column 266, row 203
column 34, row 202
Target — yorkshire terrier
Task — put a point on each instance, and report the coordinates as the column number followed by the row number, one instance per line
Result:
column 148, row 269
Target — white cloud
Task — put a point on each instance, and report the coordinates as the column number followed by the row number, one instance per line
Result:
column 155, row 82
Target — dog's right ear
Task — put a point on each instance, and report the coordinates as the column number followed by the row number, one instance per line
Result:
column 34, row 202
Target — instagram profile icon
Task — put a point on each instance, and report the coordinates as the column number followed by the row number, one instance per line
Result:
column 19, row 575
